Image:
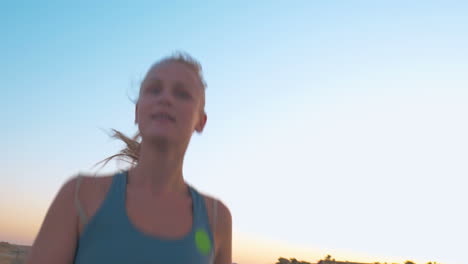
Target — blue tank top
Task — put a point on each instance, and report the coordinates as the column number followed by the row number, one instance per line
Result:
column 110, row 237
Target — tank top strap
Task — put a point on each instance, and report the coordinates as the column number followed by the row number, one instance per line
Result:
column 200, row 212
column 121, row 184
column 201, row 228
column 198, row 208
column 117, row 192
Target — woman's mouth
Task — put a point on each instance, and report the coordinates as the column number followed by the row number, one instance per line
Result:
column 162, row 116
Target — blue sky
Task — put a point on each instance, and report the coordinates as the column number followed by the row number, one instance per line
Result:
column 333, row 125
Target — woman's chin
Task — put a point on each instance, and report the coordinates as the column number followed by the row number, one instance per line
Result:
column 163, row 136
column 160, row 138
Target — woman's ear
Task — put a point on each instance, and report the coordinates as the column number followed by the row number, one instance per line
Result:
column 201, row 123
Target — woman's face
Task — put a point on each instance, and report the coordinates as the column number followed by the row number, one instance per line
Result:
column 170, row 104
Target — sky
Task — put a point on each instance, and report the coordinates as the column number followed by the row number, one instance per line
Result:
column 334, row 127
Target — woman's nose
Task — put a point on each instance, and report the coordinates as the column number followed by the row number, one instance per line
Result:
column 165, row 98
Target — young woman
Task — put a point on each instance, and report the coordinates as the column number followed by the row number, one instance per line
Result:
column 148, row 213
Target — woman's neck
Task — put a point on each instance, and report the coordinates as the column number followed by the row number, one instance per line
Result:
column 159, row 170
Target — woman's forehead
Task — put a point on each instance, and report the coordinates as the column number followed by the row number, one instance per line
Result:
column 173, row 72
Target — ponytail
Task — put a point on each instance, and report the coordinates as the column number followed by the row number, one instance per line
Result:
column 130, row 153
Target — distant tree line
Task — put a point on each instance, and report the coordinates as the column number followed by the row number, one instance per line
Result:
column 329, row 260
column 291, row 261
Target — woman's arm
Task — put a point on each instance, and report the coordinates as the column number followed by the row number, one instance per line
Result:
column 224, row 227
column 57, row 238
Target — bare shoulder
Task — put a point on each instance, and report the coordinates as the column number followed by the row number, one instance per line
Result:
column 91, row 187
column 60, row 228
column 58, row 231
column 66, row 193
column 91, row 192
column 89, row 182
column 221, row 225
column 223, row 221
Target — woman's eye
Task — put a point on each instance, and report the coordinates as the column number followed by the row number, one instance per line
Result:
column 155, row 90
column 183, row 94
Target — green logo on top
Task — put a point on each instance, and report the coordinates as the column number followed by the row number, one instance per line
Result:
column 202, row 241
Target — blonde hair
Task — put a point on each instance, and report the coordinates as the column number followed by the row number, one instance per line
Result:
column 131, row 151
